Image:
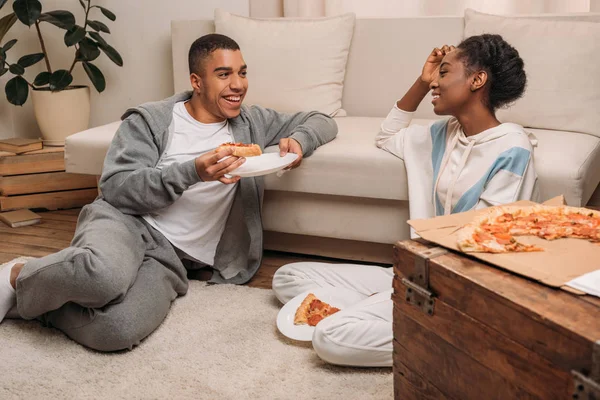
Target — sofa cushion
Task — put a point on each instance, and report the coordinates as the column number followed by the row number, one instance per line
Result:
column 562, row 89
column 566, row 163
column 293, row 64
column 350, row 165
column 85, row 151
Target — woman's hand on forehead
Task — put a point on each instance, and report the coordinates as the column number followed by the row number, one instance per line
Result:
column 431, row 68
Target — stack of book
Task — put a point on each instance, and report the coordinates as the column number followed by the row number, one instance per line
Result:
column 33, row 176
column 20, row 145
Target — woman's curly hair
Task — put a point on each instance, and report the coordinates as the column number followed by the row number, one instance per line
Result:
column 501, row 61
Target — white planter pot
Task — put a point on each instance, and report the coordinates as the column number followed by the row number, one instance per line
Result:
column 60, row 114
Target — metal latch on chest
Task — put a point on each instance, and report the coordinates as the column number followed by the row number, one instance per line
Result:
column 417, row 283
column 588, row 387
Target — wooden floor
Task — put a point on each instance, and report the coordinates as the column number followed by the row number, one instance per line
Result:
column 56, row 230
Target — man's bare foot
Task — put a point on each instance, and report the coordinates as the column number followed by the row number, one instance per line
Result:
column 14, row 274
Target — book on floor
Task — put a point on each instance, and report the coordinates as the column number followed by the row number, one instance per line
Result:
column 20, row 145
column 18, row 218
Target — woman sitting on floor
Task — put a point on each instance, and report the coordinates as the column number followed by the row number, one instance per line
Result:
column 468, row 161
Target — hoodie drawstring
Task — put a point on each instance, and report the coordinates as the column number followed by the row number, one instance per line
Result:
column 459, row 168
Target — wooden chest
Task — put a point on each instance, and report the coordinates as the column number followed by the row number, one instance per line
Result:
column 466, row 330
column 37, row 179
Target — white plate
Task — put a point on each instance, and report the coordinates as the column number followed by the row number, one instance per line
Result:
column 266, row 163
column 337, row 297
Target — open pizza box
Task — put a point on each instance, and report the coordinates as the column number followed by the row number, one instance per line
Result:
column 561, row 261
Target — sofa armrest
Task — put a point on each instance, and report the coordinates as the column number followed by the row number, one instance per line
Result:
column 85, row 151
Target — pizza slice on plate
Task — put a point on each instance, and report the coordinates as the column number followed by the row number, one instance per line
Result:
column 242, row 149
column 312, row 311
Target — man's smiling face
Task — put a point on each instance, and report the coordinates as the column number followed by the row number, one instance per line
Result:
column 223, row 84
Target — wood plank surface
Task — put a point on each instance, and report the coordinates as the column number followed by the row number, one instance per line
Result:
column 52, row 243
column 44, row 182
column 32, row 163
column 409, row 385
column 450, row 370
column 59, row 215
column 46, row 150
column 552, row 323
column 50, row 201
column 39, row 230
column 515, row 363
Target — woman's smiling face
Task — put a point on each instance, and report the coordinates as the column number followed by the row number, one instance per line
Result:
column 451, row 89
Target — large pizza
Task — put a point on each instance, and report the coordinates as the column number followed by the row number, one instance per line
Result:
column 496, row 230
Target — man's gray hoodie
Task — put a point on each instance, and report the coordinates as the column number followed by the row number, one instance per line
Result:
column 131, row 182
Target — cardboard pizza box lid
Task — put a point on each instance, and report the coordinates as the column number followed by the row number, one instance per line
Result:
column 562, row 260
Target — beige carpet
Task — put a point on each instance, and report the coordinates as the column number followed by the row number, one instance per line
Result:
column 218, row 342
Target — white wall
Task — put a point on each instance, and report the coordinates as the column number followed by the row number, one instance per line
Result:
column 407, row 8
column 141, row 34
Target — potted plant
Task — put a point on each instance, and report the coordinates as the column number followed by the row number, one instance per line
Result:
column 60, row 107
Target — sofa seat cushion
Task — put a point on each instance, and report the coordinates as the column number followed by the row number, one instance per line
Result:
column 85, row 151
column 350, row 165
column 567, row 163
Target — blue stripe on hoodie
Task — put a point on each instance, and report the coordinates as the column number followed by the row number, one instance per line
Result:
column 513, row 160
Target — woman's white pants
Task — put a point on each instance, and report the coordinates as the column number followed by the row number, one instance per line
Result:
column 359, row 335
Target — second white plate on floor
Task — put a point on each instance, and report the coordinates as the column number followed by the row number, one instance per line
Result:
column 337, row 297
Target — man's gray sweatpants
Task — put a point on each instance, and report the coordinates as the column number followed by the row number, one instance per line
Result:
column 111, row 288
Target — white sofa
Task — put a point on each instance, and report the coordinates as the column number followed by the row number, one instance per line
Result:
column 350, row 199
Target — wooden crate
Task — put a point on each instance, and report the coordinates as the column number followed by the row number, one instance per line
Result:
column 466, row 330
column 37, row 179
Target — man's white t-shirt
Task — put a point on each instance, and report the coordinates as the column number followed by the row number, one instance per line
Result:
column 195, row 222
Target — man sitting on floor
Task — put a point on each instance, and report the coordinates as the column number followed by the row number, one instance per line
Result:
column 167, row 205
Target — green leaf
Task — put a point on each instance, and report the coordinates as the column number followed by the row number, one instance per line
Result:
column 3, row 71
column 2, row 57
column 16, row 69
column 98, row 26
column 17, row 91
column 82, row 4
column 96, row 36
column 107, row 13
column 62, row 19
column 8, row 45
column 6, row 23
column 42, row 79
column 95, row 76
column 74, row 35
column 28, row 11
column 2, row 2
column 88, row 50
column 60, row 79
column 29, row 60
column 112, row 54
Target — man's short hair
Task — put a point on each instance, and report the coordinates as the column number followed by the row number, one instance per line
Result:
column 204, row 46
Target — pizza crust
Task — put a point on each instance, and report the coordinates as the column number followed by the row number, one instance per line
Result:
column 301, row 316
column 242, row 149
